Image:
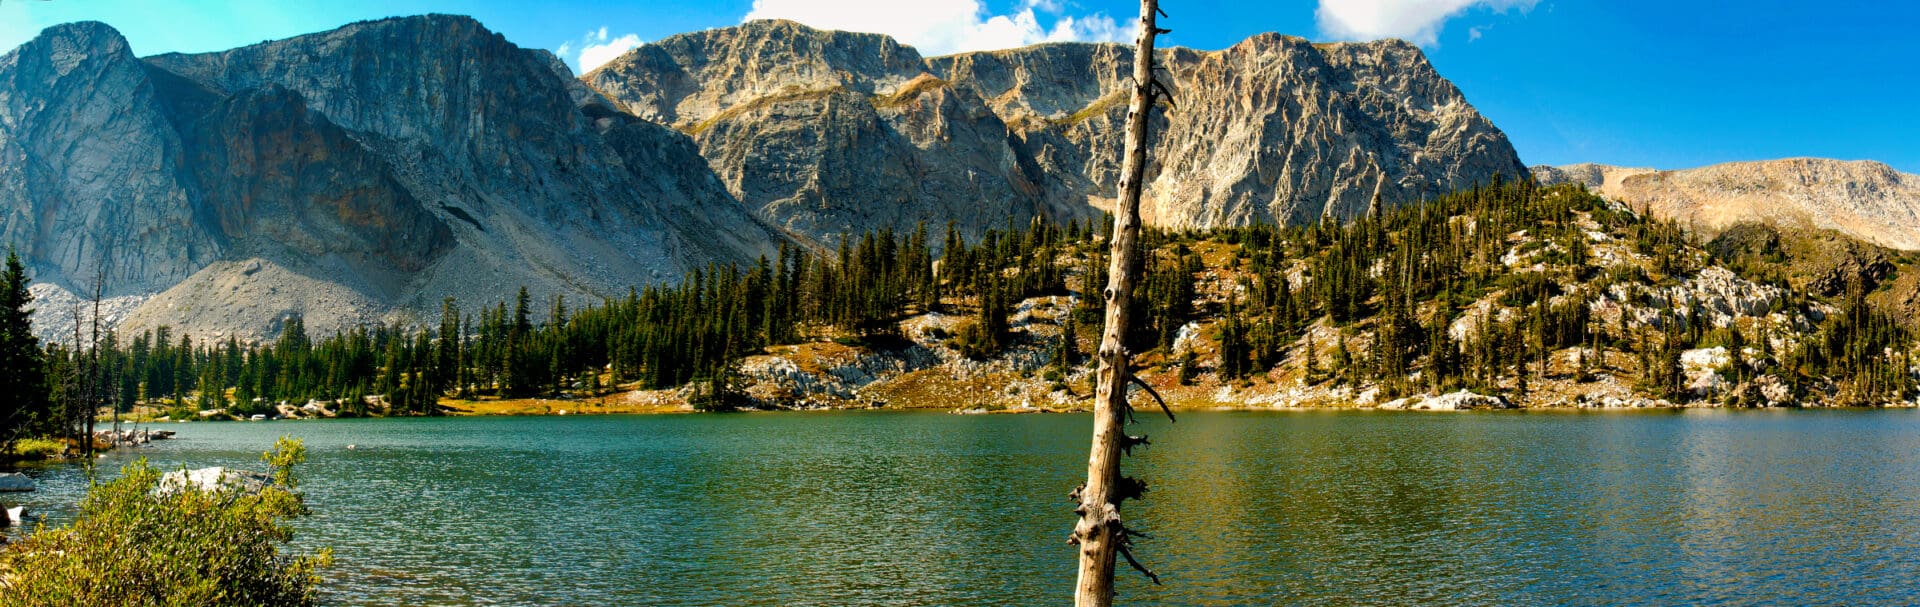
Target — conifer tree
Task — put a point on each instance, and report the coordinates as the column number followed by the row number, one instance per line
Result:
column 1310, row 363
column 22, row 377
column 1067, row 354
column 447, row 349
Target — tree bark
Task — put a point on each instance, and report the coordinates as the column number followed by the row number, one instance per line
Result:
column 1099, row 533
column 94, row 382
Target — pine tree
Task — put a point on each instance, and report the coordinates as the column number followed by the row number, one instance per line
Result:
column 22, row 375
column 1189, row 366
column 184, row 369
column 1736, row 354
column 1343, row 360
column 520, row 378
column 1067, row 354
column 1233, row 344
column 1311, row 363
column 447, row 362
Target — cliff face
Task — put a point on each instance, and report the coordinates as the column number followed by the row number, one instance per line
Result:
column 1272, row 129
column 1865, row 200
column 387, row 163
column 92, row 172
column 823, row 133
column 277, row 175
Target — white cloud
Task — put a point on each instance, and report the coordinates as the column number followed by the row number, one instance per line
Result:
column 1418, row 21
column 596, row 55
column 938, row 27
column 595, row 49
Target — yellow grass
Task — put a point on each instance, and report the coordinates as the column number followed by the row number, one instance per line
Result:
column 612, row 404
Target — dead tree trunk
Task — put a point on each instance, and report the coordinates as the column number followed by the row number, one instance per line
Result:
column 95, row 382
column 75, row 399
column 1100, row 534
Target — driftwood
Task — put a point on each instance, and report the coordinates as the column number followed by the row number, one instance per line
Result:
column 1100, row 535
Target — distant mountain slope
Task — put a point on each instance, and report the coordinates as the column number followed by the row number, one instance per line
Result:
column 1862, row 199
column 823, row 131
column 371, row 170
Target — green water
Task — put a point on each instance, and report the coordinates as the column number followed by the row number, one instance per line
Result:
column 858, row 509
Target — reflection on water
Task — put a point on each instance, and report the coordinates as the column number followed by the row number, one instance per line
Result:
column 1319, row 508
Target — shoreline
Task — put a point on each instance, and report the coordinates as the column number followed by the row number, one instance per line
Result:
column 566, row 408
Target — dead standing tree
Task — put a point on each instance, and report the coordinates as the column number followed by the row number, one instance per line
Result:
column 1100, row 534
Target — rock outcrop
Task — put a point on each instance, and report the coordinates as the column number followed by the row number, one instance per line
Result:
column 213, row 480
column 1462, row 400
column 827, row 131
column 1866, row 200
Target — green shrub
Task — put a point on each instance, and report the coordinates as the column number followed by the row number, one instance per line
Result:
column 976, row 341
column 183, row 411
column 133, row 546
column 33, row 449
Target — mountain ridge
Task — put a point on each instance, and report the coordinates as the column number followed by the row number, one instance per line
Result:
column 418, row 178
column 359, row 175
column 1309, row 130
column 1863, row 199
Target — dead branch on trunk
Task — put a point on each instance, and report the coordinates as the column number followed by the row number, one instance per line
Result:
column 1156, row 395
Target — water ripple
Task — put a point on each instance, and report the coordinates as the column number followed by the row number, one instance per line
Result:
column 843, row 509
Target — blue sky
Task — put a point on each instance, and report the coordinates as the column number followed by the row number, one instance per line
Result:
column 1661, row 83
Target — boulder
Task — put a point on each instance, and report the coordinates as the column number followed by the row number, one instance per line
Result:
column 213, row 479
column 1619, row 401
column 14, row 481
column 1461, row 401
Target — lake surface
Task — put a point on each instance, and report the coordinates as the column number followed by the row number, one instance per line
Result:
column 889, row 508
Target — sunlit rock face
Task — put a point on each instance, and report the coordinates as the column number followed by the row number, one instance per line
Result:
column 825, row 131
column 1863, row 199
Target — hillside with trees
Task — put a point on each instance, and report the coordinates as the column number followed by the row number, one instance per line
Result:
column 1532, row 296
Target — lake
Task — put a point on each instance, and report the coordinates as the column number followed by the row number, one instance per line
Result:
column 906, row 508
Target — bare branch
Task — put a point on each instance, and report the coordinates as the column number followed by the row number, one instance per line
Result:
column 1125, row 544
column 1156, row 395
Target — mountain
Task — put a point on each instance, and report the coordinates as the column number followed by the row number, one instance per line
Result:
column 354, row 176
column 363, row 174
column 1865, row 200
column 823, row 131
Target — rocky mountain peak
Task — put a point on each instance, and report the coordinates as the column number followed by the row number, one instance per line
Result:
column 687, row 78
column 1863, row 199
column 89, row 166
column 351, row 176
column 1272, row 129
column 67, row 43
